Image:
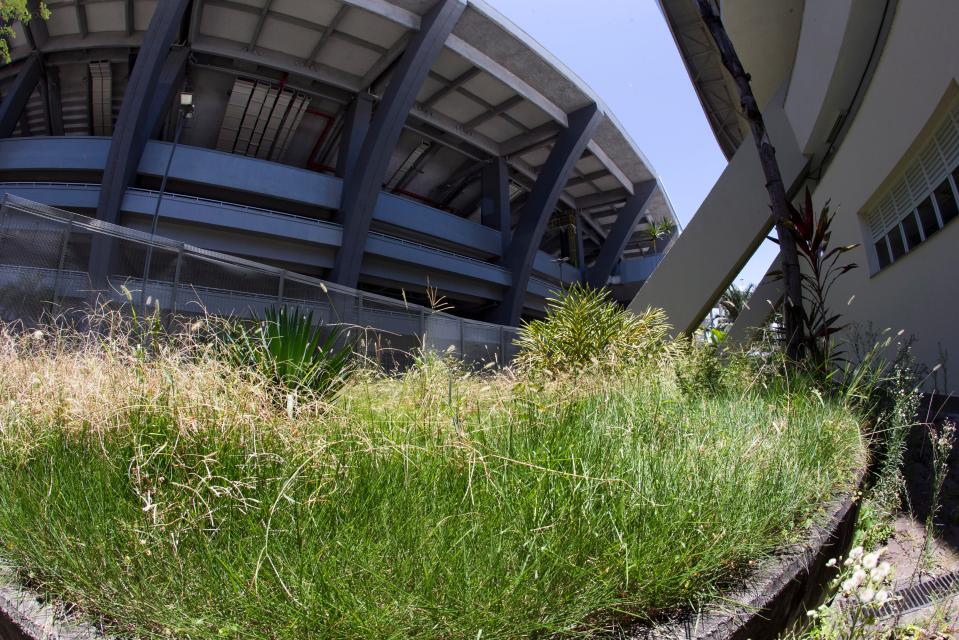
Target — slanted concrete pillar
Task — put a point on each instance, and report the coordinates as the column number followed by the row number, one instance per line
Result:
column 355, row 127
column 539, row 207
column 766, row 299
column 730, row 224
column 16, row 99
column 494, row 203
column 54, row 103
column 132, row 130
column 619, row 235
column 361, row 188
column 167, row 89
column 137, row 121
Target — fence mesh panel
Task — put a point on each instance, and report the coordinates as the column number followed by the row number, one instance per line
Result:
column 46, row 267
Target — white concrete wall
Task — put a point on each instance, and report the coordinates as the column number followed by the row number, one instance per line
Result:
column 913, row 83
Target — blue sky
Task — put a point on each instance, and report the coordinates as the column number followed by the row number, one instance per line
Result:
column 624, row 51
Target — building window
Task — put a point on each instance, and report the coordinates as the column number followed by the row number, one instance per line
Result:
column 920, row 203
column 946, row 199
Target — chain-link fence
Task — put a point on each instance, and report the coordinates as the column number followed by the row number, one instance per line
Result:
column 45, row 269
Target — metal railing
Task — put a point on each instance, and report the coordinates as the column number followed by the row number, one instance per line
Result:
column 547, row 284
column 45, row 269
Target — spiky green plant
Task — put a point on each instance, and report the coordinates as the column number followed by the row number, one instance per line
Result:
column 585, row 330
column 290, row 350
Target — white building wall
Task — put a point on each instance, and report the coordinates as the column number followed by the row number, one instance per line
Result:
column 914, row 83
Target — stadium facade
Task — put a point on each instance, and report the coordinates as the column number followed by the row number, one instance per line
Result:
column 395, row 146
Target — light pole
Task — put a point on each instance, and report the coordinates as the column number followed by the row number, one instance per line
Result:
column 184, row 113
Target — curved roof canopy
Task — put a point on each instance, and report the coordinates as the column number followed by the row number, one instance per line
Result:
column 492, row 92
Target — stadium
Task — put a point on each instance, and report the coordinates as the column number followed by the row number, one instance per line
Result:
column 405, row 148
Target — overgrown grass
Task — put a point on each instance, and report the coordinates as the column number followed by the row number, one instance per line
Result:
column 171, row 495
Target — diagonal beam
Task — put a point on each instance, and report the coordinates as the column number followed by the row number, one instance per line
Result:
column 414, row 170
column 587, row 177
column 129, row 17
column 134, row 124
column 362, row 188
column 19, row 94
column 539, row 208
column 196, row 19
column 131, row 132
column 36, row 30
column 171, row 79
column 530, row 140
column 451, row 86
column 619, row 235
column 496, row 111
column 264, row 12
column 601, row 199
column 446, row 191
column 327, row 32
column 381, row 67
column 54, row 101
column 595, row 229
column 81, row 18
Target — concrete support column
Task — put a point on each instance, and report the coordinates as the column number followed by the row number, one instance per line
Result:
column 36, row 30
column 766, row 299
column 619, row 235
column 580, row 247
column 494, row 204
column 132, row 130
column 14, row 102
column 356, row 124
column 725, row 232
column 136, row 122
column 54, row 103
column 168, row 86
column 539, row 207
column 362, row 186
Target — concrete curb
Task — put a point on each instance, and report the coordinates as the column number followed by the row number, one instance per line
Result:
column 779, row 594
column 24, row 616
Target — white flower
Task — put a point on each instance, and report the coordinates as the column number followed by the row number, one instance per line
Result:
column 831, row 563
column 858, row 577
column 848, row 586
column 37, row 335
column 866, row 595
column 855, row 554
column 871, row 560
column 881, row 597
column 290, row 405
column 881, row 572
column 812, row 613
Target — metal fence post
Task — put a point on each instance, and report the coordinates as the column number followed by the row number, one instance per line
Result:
column 176, row 283
column 63, row 257
column 3, row 222
column 423, row 327
column 462, row 339
column 279, row 291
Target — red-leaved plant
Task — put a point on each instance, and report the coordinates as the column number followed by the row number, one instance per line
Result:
column 820, row 271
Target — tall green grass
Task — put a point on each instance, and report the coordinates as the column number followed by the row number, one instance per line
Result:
column 174, row 498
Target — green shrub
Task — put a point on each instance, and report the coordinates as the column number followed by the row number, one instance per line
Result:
column 699, row 370
column 585, row 330
column 290, row 351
